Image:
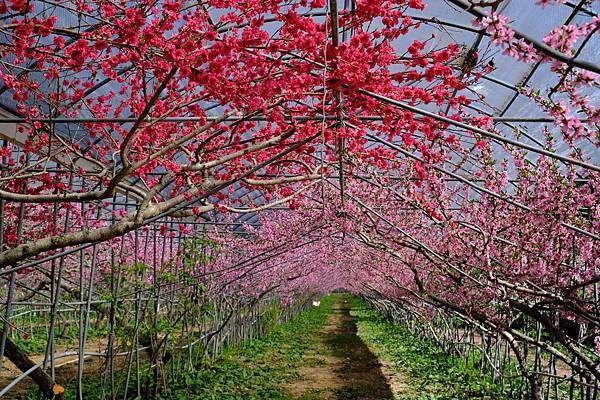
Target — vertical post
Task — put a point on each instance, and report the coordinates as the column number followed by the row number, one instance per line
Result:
column 86, row 321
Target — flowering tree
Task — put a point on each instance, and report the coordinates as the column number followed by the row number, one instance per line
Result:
column 137, row 119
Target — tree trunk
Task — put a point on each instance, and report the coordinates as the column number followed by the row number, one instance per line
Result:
column 18, row 357
column 535, row 385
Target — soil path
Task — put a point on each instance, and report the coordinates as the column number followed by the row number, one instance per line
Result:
column 340, row 366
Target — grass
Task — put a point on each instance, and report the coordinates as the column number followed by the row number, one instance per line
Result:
column 259, row 369
column 250, row 371
column 429, row 373
column 256, row 369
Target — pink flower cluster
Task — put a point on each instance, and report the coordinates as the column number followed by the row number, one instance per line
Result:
column 502, row 35
column 563, row 38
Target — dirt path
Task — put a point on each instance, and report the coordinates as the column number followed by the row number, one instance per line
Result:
column 339, row 365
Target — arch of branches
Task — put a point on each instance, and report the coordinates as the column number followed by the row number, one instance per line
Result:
column 172, row 169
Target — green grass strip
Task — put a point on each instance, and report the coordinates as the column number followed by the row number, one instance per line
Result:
column 426, row 371
column 256, row 369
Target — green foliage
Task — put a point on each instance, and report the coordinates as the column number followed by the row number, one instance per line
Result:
column 259, row 369
column 270, row 317
column 35, row 344
column 430, row 373
column 34, row 341
column 196, row 252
